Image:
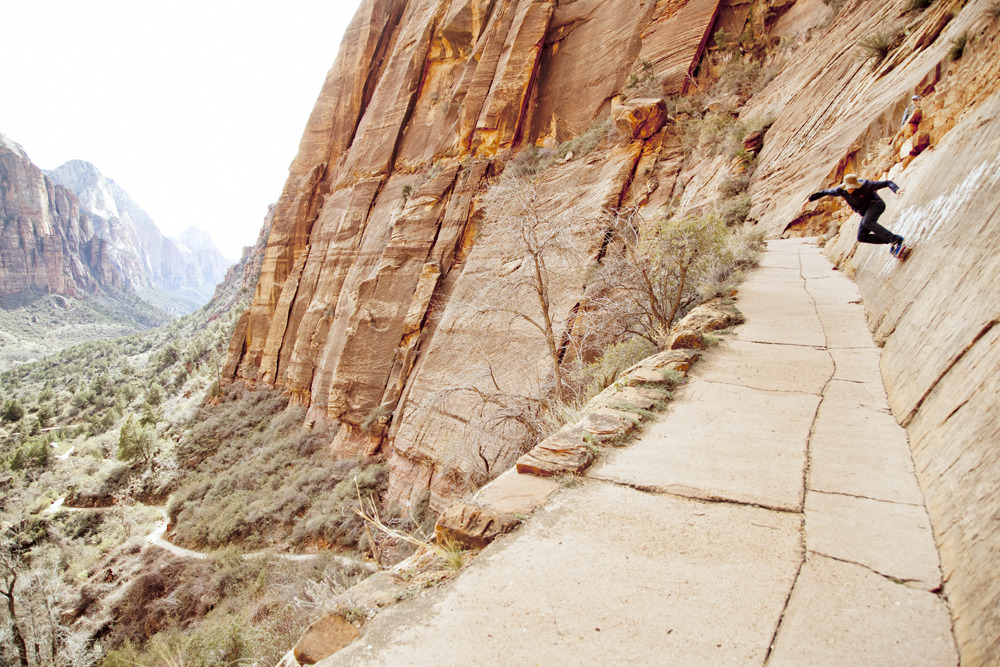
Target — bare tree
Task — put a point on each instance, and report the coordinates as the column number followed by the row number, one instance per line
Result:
column 499, row 422
column 541, row 250
column 11, row 568
column 651, row 272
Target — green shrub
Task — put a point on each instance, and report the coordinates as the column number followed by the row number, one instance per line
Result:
column 258, row 477
column 534, row 159
column 720, row 132
column 614, row 360
column 958, row 46
column 918, row 5
column 734, row 210
column 653, row 273
column 32, row 454
column 739, row 76
column 12, row 411
column 724, row 40
column 136, row 443
column 734, row 185
column 644, row 83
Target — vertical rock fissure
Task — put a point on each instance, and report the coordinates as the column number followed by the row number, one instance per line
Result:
column 415, row 83
column 622, row 196
column 386, row 37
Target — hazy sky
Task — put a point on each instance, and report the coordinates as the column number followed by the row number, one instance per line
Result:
column 194, row 107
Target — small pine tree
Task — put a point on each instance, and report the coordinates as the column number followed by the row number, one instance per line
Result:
column 12, row 411
column 155, row 395
column 135, row 442
column 150, row 414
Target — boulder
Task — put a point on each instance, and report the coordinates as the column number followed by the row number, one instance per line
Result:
column 324, row 638
column 606, row 424
column 379, row 590
column 472, row 526
column 514, row 493
column 686, row 339
column 711, row 316
column 674, row 360
column 641, row 118
column 641, row 399
column 565, row 452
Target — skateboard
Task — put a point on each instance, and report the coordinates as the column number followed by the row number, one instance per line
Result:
column 902, row 252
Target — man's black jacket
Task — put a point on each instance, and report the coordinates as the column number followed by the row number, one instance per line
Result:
column 861, row 198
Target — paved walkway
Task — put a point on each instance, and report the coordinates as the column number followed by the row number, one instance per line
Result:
column 771, row 517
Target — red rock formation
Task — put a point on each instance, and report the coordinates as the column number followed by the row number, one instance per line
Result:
column 46, row 241
column 373, row 227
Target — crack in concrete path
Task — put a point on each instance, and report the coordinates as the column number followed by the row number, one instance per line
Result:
column 887, row 577
column 691, row 493
column 860, row 497
column 767, row 390
column 806, row 470
column 784, row 611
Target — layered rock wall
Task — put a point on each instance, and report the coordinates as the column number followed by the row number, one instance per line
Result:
column 47, row 242
column 361, row 309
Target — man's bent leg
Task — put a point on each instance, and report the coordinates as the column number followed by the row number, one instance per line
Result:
column 869, row 231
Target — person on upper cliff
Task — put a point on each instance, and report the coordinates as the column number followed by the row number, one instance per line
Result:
column 861, row 195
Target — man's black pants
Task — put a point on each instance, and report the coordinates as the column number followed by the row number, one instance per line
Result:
column 869, row 231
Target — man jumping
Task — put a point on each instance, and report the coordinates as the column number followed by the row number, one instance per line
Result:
column 861, row 195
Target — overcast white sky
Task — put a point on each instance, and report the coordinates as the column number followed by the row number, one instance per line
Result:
column 194, row 107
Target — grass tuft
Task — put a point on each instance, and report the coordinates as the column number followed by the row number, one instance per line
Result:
column 876, row 45
column 958, row 46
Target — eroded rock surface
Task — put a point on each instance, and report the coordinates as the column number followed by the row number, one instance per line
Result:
column 359, row 308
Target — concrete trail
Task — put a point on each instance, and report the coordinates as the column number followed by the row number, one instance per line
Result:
column 771, row 517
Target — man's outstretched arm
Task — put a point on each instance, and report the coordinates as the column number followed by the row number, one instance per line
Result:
column 889, row 184
column 832, row 192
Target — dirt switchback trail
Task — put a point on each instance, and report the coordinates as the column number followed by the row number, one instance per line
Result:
column 770, row 517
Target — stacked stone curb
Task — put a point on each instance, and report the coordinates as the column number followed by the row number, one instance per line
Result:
column 609, row 418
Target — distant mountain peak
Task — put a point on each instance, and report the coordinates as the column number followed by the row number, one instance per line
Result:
column 85, row 180
column 84, row 231
column 12, row 146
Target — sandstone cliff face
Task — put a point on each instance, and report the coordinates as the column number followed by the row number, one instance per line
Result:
column 47, row 242
column 376, row 221
column 358, row 312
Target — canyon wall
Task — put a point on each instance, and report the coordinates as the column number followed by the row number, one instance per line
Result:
column 47, row 241
column 361, row 311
